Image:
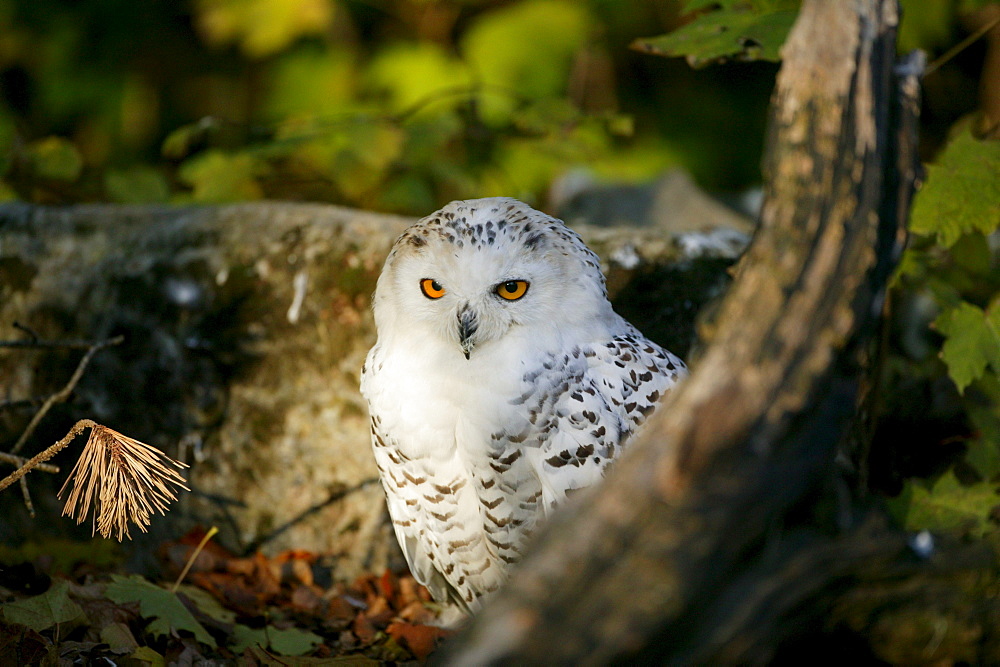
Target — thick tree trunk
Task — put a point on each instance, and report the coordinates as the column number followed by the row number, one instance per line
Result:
column 704, row 537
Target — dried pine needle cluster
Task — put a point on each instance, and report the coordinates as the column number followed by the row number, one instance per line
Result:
column 123, row 479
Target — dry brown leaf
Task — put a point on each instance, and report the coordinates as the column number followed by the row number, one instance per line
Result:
column 421, row 640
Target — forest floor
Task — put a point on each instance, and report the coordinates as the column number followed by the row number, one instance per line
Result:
column 250, row 611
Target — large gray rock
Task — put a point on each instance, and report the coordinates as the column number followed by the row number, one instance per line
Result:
column 245, row 328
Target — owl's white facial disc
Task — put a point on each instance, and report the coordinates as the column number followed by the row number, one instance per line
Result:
column 478, row 271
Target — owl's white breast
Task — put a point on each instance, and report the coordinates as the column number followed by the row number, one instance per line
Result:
column 433, row 398
column 437, row 402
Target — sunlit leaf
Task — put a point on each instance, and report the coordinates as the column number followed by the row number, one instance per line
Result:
column 496, row 46
column 43, row 611
column 962, row 192
column 216, row 176
column 749, row 30
column 167, row 612
column 418, row 74
column 261, row 27
column 946, row 505
column 972, row 341
column 356, row 157
column 312, row 82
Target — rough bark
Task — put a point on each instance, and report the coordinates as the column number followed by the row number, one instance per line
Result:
column 711, row 529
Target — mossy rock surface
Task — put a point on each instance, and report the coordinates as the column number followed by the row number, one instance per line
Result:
column 245, row 328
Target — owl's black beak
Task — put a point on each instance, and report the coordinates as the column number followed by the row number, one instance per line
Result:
column 467, row 326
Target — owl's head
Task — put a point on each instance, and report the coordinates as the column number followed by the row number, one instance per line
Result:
column 480, row 270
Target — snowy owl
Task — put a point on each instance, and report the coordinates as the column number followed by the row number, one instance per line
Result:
column 501, row 381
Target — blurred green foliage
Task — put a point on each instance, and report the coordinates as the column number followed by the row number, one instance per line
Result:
column 395, row 106
column 392, row 105
column 950, row 264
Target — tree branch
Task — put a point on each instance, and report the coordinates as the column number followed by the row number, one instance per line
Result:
column 63, row 393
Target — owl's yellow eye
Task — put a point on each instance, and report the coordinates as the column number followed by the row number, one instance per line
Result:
column 512, row 290
column 431, row 288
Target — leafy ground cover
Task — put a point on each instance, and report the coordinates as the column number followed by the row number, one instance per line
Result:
column 257, row 609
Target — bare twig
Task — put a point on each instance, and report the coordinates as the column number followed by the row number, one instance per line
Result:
column 45, row 455
column 63, row 393
column 19, row 461
column 26, row 494
column 961, row 46
column 123, row 479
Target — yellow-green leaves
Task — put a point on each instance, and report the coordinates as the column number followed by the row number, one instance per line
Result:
column 962, row 192
column 54, row 158
column 504, row 48
column 972, row 341
column 947, row 505
column 735, row 29
column 418, row 74
column 261, row 27
column 216, row 176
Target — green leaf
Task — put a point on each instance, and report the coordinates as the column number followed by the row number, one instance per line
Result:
column 146, row 654
column 219, row 177
column 207, row 603
column 55, row 158
column 43, row 611
column 962, row 192
column 290, row 641
column 261, row 27
column 167, row 611
column 738, row 30
column 420, row 73
column 119, row 638
column 983, row 408
column 311, row 82
column 495, row 48
column 946, row 505
column 181, row 141
column 972, row 341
